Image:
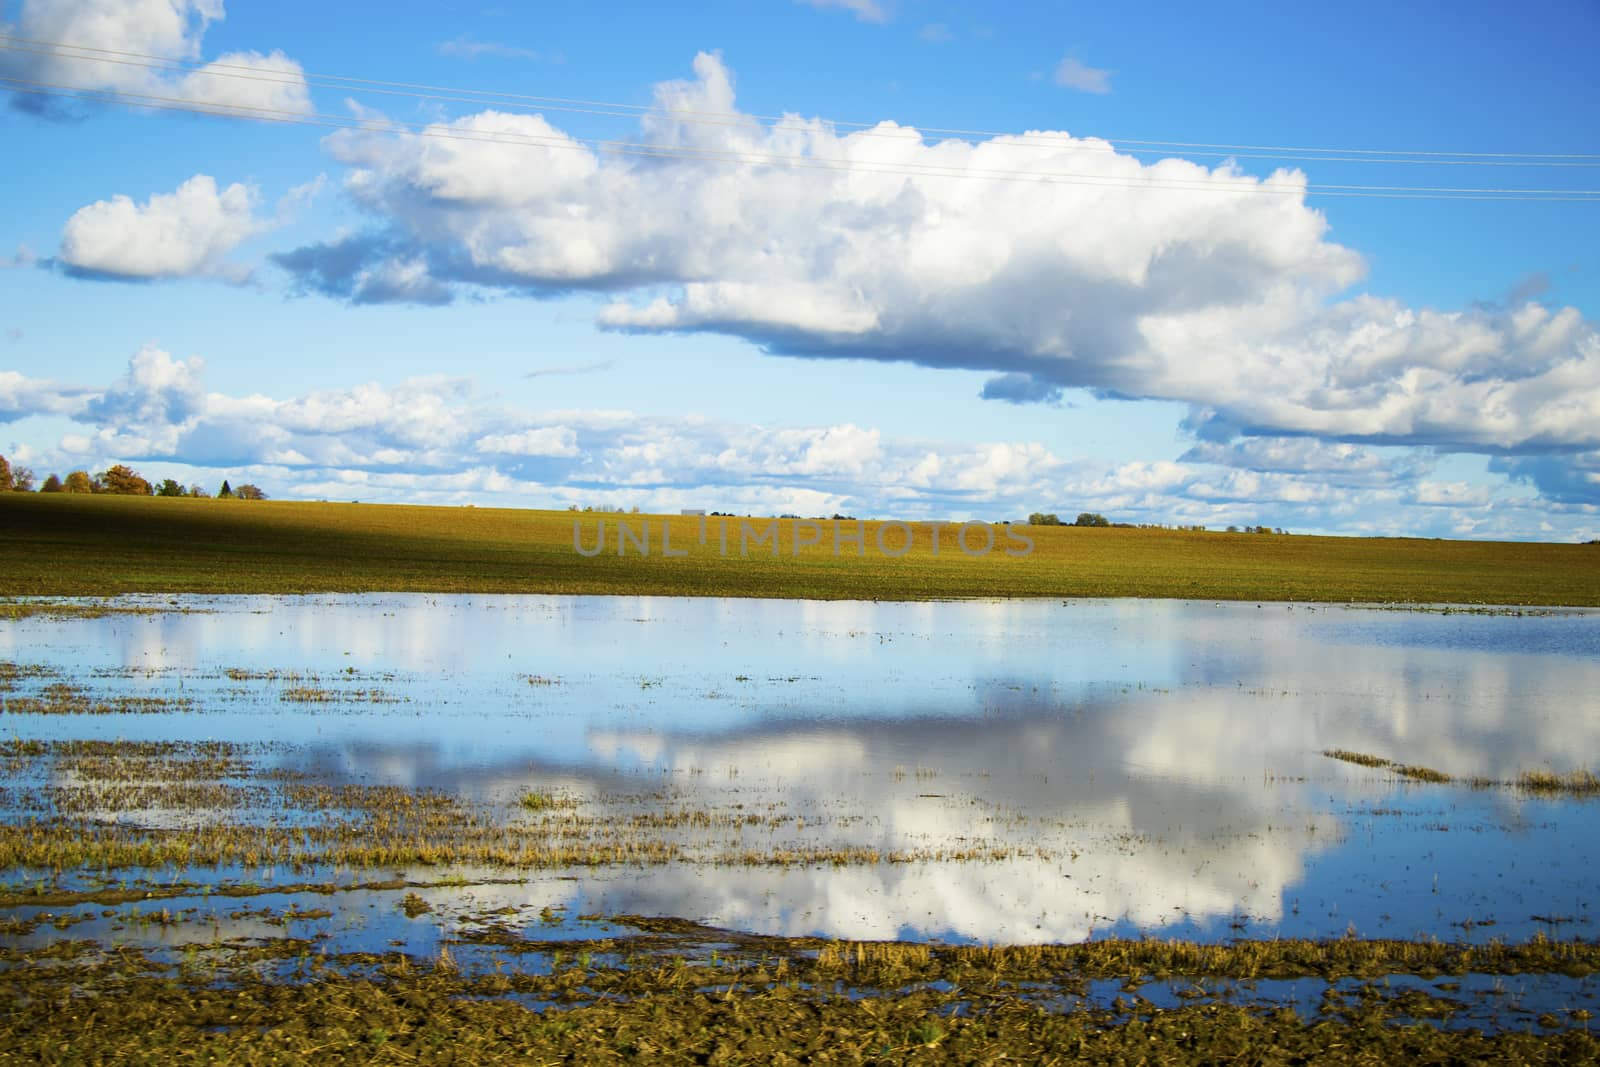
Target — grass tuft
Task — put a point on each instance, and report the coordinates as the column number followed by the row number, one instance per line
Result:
column 1359, row 758
column 1581, row 783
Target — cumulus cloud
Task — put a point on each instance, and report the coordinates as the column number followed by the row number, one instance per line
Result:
column 1073, row 73
column 1093, row 269
column 246, row 83
column 437, row 439
column 558, row 441
column 186, row 232
column 21, row 396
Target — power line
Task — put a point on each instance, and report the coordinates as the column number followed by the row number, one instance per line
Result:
column 681, row 152
column 64, row 50
column 287, row 117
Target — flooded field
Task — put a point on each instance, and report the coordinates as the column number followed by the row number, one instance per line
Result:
column 514, row 785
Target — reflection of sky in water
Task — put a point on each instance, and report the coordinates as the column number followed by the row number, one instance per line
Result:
column 1163, row 755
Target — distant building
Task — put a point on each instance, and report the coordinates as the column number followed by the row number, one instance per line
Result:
column 694, row 511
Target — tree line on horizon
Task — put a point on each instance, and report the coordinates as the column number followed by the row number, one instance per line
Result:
column 116, row 480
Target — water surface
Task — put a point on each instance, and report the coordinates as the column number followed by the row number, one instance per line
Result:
column 1141, row 767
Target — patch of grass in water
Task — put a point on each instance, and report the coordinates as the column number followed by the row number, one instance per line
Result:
column 1542, row 782
column 413, row 905
column 1581, row 783
column 63, row 698
column 543, row 800
column 1423, row 774
column 66, row 609
column 1361, row 759
column 310, row 694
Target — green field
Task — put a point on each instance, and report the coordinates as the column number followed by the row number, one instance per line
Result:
column 71, row 545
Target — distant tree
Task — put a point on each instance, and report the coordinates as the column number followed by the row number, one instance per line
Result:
column 249, row 492
column 169, row 487
column 226, row 492
column 78, row 482
column 51, row 484
column 15, row 479
column 1233, row 529
column 122, row 480
column 199, row 491
column 1044, row 519
column 1091, row 518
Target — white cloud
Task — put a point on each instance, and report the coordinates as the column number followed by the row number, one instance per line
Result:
column 1073, row 73
column 1165, row 280
column 249, row 85
column 186, row 232
column 1451, row 494
column 437, row 440
column 241, row 82
column 547, row 441
column 21, row 396
column 864, row 10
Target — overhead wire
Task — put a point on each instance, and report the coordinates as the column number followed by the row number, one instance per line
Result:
column 701, row 153
column 418, row 90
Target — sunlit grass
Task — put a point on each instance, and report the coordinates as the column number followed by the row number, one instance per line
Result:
column 67, row 544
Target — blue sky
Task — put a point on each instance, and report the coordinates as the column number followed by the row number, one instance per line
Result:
column 465, row 301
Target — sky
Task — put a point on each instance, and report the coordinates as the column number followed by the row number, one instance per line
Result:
column 1332, row 269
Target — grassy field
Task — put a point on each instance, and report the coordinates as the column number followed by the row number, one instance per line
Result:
column 67, row 545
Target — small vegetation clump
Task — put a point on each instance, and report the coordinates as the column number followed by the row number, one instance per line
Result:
column 1361, row 759
column 540, row 800
column 1573, row 783
column 307, row 694
column 1577, row 783
column 1422, row 774
column 413, row 906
